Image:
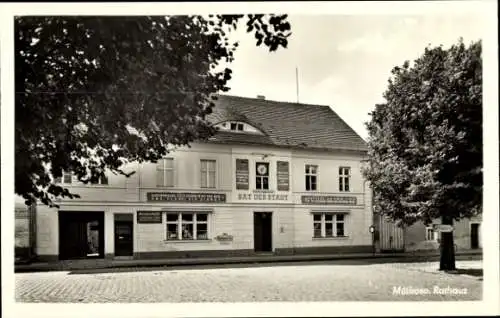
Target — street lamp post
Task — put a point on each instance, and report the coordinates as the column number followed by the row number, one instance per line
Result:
column 372, row 231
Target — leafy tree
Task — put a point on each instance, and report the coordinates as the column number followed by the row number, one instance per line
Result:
column 93, row 93
column 425, row 144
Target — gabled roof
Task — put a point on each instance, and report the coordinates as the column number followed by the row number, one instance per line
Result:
column 285, row 124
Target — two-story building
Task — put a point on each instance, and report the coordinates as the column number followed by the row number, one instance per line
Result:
column 280, row 178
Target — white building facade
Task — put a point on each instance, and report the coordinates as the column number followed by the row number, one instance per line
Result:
column 278, row 178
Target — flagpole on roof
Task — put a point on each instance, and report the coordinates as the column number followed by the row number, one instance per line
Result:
column 297, row 82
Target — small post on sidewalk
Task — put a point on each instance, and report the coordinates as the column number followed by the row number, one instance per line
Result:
column 372, row 231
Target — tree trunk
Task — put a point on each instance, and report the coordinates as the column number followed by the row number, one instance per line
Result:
column 447, row 261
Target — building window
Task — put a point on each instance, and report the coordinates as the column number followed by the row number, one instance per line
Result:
column 207, row 173
column 67, row 178
column 237, row 126
column 311, row 178
column 430, row 234
column 187, row 226
column 165, row 172
column 344, row 177
column 262, row 176
column 102, row 180
column 328, row 225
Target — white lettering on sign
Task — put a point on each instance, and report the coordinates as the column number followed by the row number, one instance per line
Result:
column 262, row 196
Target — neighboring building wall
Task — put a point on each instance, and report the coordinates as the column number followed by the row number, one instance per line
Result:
column 416, row 236
column 47, row 234
column 25, row 229
column 22, row 232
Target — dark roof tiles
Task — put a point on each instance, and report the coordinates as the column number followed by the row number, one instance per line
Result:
column 286, row 124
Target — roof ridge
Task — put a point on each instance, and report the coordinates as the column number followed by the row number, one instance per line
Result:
column 271, row 101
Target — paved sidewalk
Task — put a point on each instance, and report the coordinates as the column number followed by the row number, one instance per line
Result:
column 114, row 263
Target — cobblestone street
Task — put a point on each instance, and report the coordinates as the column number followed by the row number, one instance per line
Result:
column 323, row 282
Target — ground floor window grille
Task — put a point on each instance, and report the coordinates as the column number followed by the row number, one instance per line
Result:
column 187, row 226
column 329, row 225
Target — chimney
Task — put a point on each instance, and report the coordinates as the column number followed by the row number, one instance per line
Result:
column 261, row 97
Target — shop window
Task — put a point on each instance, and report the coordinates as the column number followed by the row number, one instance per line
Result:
column 344, row 179
column 311, row 178
column 262, row 176
column 187, row 226
column 208, row 168
column 328, row 225
column 165, row 172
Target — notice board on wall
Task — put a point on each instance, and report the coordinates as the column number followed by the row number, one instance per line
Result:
column 149, row 217
column 242, row 174
column 283, row 176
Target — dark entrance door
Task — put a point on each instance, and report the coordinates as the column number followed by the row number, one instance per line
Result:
column 124, row 239
column 81, row 235
column 263, row 231
column 474, row 235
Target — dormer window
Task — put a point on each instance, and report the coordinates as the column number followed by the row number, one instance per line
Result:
column 237, row 126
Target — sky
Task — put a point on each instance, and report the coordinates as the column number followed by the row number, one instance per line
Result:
column 343, row 61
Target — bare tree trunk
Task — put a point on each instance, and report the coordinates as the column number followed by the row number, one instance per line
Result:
column 447, row 261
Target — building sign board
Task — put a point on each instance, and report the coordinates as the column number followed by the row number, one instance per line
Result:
column 150, row 217
column 262, row 196
column 328, row 200
column 185, row 197
column 283, row 176
column 443, row 228
column 242, row 174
